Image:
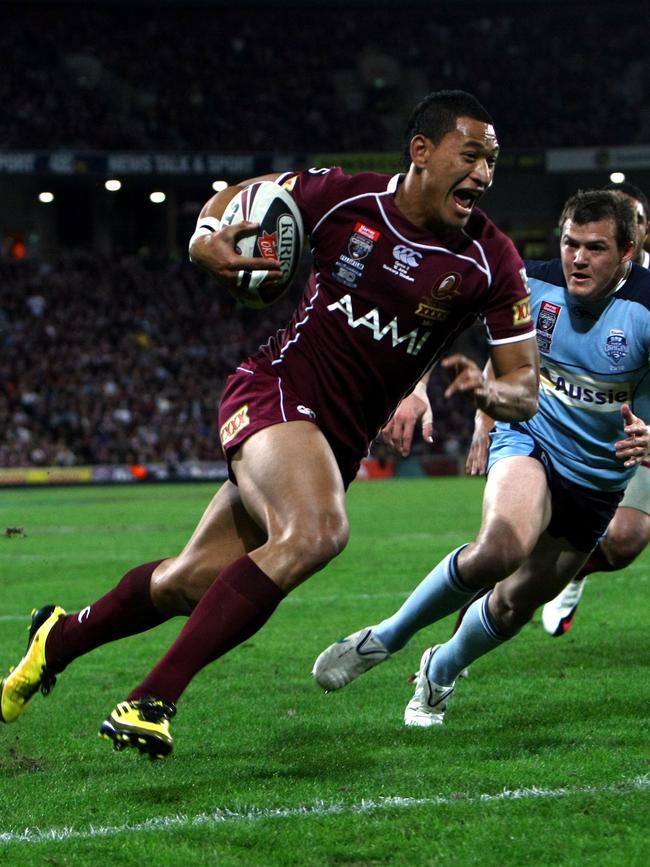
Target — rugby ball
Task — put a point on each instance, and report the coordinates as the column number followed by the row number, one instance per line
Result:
column 280, row 236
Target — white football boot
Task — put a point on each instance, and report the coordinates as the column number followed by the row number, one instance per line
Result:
column 429, row 703
column 558, row 614
column 340, row 663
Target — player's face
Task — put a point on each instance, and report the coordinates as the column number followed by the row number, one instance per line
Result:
column 591, row 259
column 456, row 172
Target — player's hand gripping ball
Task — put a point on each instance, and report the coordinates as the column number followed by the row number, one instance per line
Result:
column 280, row 236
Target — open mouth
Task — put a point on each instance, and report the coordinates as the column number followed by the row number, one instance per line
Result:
column 465, row 199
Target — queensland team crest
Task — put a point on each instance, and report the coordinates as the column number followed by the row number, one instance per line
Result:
column 447, row 287
column 437, row 305
column 616, row 346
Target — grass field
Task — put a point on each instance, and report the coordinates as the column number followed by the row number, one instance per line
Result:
column 544, row 757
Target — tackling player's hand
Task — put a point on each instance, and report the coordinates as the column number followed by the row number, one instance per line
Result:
column 217, row 253
column 468, row 378
column 476, row 462
column 398, row 433
column 635, row 448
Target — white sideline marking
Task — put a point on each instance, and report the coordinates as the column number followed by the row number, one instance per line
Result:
column 319, row 808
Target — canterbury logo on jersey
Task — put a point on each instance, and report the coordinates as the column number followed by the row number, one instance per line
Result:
column 583, row 391
column 406, row 256
column 413, row 340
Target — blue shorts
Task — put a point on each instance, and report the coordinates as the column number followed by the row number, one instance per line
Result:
column 578, row 514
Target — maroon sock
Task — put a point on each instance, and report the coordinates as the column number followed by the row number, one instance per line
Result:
column 239, row 602
column 126, row 610
column 597, row 562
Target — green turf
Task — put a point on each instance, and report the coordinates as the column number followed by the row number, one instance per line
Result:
column 269, row 771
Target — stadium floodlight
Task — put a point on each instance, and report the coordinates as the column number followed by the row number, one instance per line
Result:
column 217, row 186
column 46, row 198
column 617, row 177
column 157, row 197
column 113, row 185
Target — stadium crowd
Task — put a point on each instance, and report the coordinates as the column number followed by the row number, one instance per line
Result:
column 113, row 361
column 118, row 77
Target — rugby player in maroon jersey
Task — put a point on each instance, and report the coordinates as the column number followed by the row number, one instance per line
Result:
column 401, row 265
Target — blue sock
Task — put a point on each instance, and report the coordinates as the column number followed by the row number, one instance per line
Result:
column 440, row 593
column 477, row 635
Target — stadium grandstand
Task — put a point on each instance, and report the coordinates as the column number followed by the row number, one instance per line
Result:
column 114, row 348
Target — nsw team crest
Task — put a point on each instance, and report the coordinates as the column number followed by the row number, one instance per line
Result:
column 545, row 326
column 616, row 346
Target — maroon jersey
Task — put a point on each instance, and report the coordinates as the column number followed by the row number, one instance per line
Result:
column 384, row 300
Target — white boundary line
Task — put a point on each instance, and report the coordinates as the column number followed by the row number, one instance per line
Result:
column 319, row 808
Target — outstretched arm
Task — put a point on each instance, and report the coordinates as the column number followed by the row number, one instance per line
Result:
column 510, row 392
column 476, row 463
column 506, row 390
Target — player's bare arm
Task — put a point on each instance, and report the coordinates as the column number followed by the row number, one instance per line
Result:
column 215, row 249
column 477, row 456
column 636, row 447
column 398, row 433
column 512, row 394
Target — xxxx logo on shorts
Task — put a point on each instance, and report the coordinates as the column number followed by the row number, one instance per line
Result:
column 235, row 423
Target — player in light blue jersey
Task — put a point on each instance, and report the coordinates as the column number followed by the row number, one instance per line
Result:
column 555, row 481
column 628, row 533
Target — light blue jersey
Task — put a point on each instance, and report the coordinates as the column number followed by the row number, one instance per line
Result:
column 594, row 358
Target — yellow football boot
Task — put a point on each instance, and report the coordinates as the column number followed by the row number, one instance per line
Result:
column 31, row 674
column 143, row 724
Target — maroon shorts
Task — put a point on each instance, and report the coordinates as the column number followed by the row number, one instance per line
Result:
column 254, row 399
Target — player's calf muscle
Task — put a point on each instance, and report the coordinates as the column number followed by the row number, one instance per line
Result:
column 509, row 611
column 487, row 561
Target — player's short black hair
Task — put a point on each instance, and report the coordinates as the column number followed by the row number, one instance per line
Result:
column 633, row 192
column 436, row 115
column 590, row 206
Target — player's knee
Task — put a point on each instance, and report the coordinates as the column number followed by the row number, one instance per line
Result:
column 310, row 544
column 621, row 549
column 323, row 541
column 177, row 587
